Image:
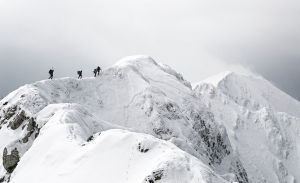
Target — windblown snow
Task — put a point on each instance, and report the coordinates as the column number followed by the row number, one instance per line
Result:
column 142, row 122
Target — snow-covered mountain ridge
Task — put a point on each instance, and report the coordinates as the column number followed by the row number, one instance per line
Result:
column 254, row 92
column 141, row 121
column 267, row 140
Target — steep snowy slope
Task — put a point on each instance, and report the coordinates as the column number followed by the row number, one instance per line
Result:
column 254, row 93
column 137, row 94
column 260, row 124
column 62, row 154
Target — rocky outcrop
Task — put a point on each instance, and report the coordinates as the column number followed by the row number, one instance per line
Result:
column 213, row 140
column 8, row 113
column 240, row 172
column 189, row 127
column 13, row 118
column 10, row 161
column 32, row 128
column 17, row 121
column 155, row 176
column 142, row 149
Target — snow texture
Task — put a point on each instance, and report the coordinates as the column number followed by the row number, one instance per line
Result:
column 142, row 122
column 262, row 122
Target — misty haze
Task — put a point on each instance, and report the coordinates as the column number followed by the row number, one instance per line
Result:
column 148, row 91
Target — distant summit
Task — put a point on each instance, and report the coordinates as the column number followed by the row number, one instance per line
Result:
column 253, row 92
column 215, row 80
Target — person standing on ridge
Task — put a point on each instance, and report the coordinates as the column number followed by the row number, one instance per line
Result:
column 95, row 72
column 98, row 70
column 51, row 71
column 79, row 74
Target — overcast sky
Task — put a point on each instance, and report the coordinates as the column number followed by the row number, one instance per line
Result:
column 198, row 38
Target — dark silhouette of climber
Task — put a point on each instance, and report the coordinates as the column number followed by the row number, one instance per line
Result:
column 79, row 74
column 95, row 72
column 51, row 71
column 98, row 70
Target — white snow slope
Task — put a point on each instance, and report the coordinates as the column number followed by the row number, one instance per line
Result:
column 263, row 125
column 141, row 122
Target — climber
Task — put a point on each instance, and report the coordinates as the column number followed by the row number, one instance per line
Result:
column 79, row 74
column 95, row 72
column 51, row 71
column 98, row 70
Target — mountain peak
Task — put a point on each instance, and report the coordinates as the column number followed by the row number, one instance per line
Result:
column 214, row 80
column 252, row 91
column 218, row 78
column 136, row 59
column 146, row 67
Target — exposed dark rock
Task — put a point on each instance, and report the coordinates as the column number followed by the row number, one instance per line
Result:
column 10, row 112
column 5, row 103
column 31, row 125
column 2, row 179
column 211, row 137
column 37, row 133
column 241, row 174
column 1, row 122
column 90, row 138
column 10, row 161
column 26, row 138
column 156, row 175
column 215, row 144
column 142, row 149
column 18, row 120
column 170, row 107
column 31, row 128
